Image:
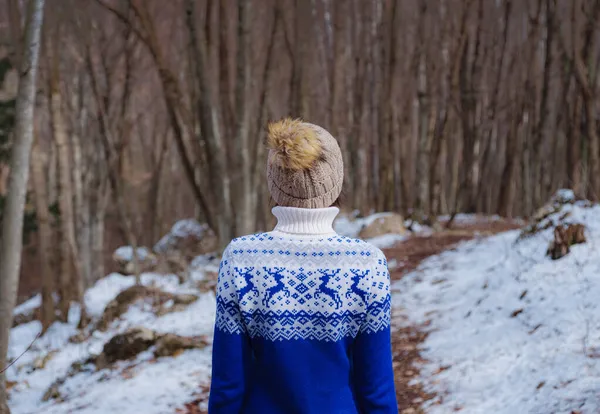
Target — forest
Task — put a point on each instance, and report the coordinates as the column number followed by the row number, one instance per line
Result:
column 145, row 112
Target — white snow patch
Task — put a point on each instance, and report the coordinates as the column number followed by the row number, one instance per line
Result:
column 155, row 387
column 565, row 195
column 462, row 218
column 125, row 253
column 29, row 305
column 201, row 264
column 518, row 332
column 385, row 241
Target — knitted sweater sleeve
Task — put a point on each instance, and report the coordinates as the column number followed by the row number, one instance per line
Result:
column 372, row 361
column 231, row 346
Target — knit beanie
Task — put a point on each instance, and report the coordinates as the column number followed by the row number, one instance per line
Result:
column 304, row 167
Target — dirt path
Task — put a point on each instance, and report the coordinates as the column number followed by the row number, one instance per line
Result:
column 406, row 337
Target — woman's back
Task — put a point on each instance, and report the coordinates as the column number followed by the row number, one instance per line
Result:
column 303, row 318
column 303, row 314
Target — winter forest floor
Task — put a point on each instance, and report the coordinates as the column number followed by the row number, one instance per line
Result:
column 483, row 321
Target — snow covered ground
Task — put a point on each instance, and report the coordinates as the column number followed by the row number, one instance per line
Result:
column 511, row 330
column 144, row 385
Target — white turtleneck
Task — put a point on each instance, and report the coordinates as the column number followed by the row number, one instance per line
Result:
column 305, row 221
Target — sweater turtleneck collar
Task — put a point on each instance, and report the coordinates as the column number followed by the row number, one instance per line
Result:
column 305, row 221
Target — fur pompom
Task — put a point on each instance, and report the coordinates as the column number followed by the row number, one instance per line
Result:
column 295, row 145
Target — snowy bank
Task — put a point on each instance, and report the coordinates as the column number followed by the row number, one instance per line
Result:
column 145, row 384
column 512, row 331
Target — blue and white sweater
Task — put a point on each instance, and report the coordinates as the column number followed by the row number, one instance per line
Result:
column 303, row 322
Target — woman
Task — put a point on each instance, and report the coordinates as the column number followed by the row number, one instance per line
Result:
column 303, row 314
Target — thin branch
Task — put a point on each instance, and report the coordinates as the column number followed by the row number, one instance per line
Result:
column 22, row 353
column 123, row 18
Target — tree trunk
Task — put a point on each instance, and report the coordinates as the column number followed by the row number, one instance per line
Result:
column 71, row 284
column 574, row 150
column 586, row 81
column 38, row 175
column 209, row 120
column 98, row 213
column 82, row 212
column 507, row 187
column 246, row 211
column 12, row 223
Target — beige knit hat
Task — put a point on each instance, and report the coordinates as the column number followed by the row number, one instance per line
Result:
column 305, row 167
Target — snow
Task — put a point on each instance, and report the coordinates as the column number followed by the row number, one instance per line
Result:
column 129, row 386
column 565, row 195
column 157, row 387
column 385, row 241
column 125, row 253
column 511, row 330
column 202, row 264
column 29, row 305
column 462, row 218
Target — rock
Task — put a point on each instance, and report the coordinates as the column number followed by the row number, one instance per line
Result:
column 384, row 224
column 564, row 238
column 129, row 344
column 171, row 344
column 189, row 239
column 157, row 298
column 123, row 257
column 186, row 240
column 126, row 346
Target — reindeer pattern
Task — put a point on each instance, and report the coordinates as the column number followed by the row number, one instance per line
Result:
column 323, row 288
column 246, row 274
column 277, row 274
column 357, row 276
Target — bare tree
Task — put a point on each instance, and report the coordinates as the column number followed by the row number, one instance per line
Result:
column 12, row 222
column 70, row 279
